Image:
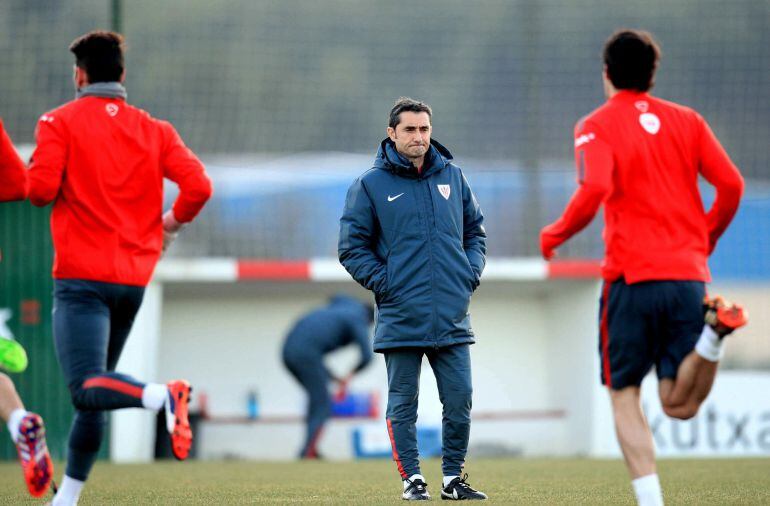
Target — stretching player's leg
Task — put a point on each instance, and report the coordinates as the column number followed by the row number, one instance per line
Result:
column 684, row 388
column 404, row 367
column 682, row 398
column 452, row 368
column 686, row 376
column 28, row 434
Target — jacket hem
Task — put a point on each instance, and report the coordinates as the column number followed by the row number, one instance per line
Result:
column 390, row 345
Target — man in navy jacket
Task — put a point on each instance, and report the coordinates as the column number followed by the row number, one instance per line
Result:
column 412, row 233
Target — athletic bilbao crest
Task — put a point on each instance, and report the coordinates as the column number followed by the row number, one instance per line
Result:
column 445, row 190
column 112, row 109
column 650, row 122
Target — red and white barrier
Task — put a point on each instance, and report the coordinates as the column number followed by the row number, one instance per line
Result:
column 225, row 270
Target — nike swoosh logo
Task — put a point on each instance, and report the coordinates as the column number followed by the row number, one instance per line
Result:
column 391, row 199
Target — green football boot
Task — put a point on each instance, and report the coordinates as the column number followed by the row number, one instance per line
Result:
column 13, row 358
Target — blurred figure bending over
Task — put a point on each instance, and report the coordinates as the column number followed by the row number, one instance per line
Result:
column 344, row 321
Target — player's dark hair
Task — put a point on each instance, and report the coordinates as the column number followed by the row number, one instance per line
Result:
column 100, row 54
column 631, row 57
column 406, row 104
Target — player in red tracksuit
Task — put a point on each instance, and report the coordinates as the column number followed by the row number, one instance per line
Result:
column 102, row 163
column 641, row 157
column 26, row 428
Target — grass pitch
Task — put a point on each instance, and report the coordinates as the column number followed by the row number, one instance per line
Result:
column 506, row 481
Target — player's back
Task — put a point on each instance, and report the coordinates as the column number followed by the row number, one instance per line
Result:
column 106, row 219
column 328, row 328
column 656, row 226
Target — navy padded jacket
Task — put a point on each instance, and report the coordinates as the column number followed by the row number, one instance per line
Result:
column 418, row 242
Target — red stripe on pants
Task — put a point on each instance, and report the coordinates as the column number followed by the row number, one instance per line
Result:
column 115, row 385
column 605, row 336
column 395, row 452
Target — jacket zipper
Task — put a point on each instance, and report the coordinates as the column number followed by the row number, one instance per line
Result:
column 429, row 219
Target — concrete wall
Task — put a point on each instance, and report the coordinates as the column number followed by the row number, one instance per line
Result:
column 534, row 340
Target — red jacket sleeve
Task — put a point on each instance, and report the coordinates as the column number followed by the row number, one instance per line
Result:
column 594, row 163
column 719, row 170
column 13, row 173
column 184, row 168
column 48, row 160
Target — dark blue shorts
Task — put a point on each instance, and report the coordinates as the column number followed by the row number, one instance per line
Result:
column 645, row 324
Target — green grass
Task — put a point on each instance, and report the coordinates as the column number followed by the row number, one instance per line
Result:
column 506, row 481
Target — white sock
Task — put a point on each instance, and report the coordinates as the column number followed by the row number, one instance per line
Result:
column 648, row 492
column 448, row 480
column 412, row 478
column 69, row 492
column 154, row 396
column 709, row 346
column 14, row 421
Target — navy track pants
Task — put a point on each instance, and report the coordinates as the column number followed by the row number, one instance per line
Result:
column 310, row 372
column 452, row 368
column 91, row 322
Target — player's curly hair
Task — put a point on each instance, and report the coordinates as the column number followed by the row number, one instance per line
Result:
column 631, row 57
column 100, row 54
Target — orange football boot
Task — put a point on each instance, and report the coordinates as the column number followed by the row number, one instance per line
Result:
column 33, row 455
column 724, row 316
column 177, row 422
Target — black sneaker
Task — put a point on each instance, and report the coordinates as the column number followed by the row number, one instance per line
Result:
column 459, row 490
column 416, row 489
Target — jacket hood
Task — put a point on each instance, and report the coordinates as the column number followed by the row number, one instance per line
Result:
column 391, row 160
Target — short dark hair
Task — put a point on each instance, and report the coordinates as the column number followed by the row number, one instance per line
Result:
column 100, row 54
column 631, row 57
column 406, row 104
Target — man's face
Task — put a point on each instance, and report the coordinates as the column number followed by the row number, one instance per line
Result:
column 412, row 134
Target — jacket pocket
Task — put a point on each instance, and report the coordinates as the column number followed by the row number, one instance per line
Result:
column 473, row 281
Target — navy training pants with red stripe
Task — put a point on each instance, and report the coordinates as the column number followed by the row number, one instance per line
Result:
column 452, row 368
column 91, row 322
column 307, row 366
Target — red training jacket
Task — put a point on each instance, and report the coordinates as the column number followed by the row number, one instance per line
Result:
column 102, row 162
column 13, row 173
column 641, row 156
